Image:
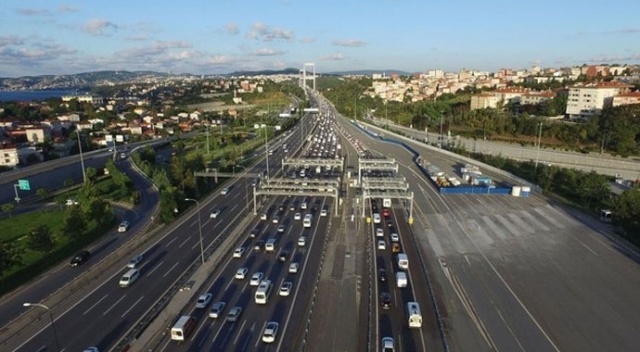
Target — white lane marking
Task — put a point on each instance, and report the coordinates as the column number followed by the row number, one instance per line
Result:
column 184, row 242
column 95, row 304
column 259, row 335
column 173, row 240
column 235, row 341
column 589, row 249
column 168, row 271
column 130, row 308
column 156, row 267
column 114, row 305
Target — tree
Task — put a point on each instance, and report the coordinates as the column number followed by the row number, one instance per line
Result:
column 8, row 208
column 91, row 173
column 40, row 239
column 626, row 213
column 74, row 224
column 69, row 182
column 10, row 256
column 42, row 193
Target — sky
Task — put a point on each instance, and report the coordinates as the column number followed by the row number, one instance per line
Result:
column 40, row 37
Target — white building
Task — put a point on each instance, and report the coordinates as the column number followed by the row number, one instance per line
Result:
column 588, row 100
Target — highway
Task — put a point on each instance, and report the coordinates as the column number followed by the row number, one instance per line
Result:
column 520, row 273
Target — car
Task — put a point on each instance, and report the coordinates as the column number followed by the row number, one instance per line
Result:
column 382, row 274
column 91, row 349
column 382, row 245
column 323, row 212
column 303, row 205
column 217, row 309
column 225, row 191
column 389, row 222
column 283, row 255
column 256, row 278
column 80, row 258
column 276, row 219
column 387, row 344
column 238, row 252
column 297, row 216
column 263, row 216
column 234, row 314
column 204, row 300
column 395, row 247
column 123, row 227
column 285, row 288
column 394, row 237
column 254, row 232
column 135, row 261
column 214, row 214
column 302, row 240
column 258, row 246
column 241, row 273
column 293, row 268
column 292, row 207
column 71, row 202
column 386, row 213
column 379, row 232
column 269, row 332
column 385, row 300
column 281, row 228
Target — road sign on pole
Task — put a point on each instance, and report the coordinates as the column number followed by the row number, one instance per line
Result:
column 24, row 185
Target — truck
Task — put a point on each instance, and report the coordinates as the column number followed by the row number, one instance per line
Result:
column 401, row 279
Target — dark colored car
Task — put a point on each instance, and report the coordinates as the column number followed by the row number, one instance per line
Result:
column 283, row 255
column 389, row 223
column 80, row 258
column 382, row 274
column 385, row 300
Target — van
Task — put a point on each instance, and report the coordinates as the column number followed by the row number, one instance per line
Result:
column 129, row 278
column 183, row 328
column 270, row 246
column 401, row 279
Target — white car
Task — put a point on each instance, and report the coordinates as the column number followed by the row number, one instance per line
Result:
column 224, row 191
column 379, row 232
column 276, row 219
column 214, row 214
column 256, row 278
column 323, row 212
column 263, row 216
column 124, row 226
column 285, row 288
column 217, row 309
column 269, row 332
column 204, row 300
column 281, row 228
column 238, row 252
column 302, row 240
column 241, row 273
column 387, row 344
column 134, row 261
column 297, row 216
column 382, row 245
column 303, row 205
column 395, row 237
column 293, row 268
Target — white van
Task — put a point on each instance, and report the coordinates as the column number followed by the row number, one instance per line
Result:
column 129, row 278
column 401, row 279
column 403, row 261
column 270, row 246
column 413, row 315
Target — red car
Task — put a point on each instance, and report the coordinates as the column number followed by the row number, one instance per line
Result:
column 386, row 213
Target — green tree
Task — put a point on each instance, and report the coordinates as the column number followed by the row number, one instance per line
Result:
column 8, row 208
column 91, row 173
column 42, row 193
column 74, row 224
column 626, row 213
column 69, row 182
column 40, row 239
column 10, row 256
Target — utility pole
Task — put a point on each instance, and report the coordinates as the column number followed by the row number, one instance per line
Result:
column 539, row 140
column 84, row 174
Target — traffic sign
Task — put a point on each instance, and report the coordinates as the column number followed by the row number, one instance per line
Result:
column 24, row 185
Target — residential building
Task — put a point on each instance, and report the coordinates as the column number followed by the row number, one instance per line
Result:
column 586, row 100
column 9, row 156
column 484, row 101
column 84, row 99
column 532, row 98
column 626, row 99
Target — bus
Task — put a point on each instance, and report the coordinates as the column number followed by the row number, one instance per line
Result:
column 403, row 261
column 413, row 313
column 263, row 292
column 183, row 328
column 307, row 220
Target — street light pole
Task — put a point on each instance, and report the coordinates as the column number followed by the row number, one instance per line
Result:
column 246, row 187
column 199, row 227
column 539, row 141
column 84, row 174
column 53, row 325
column 266, row 149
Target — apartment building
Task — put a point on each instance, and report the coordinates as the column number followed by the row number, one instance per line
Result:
column 626, row 99
column 484, row 101
column 586, row 100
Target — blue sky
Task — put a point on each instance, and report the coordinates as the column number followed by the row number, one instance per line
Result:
column 221, row 36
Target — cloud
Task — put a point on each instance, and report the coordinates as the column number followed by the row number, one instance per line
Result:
column 308, row 40
column 349, row 43
column 66, row 8
column 267, row 52
column 33, row 12
column 155, row 49
column 260, row 31
column 333, row 57
column 10, row 40
column 98, row 27
column 231, row 28
column 615, row 58
column 36, row 52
